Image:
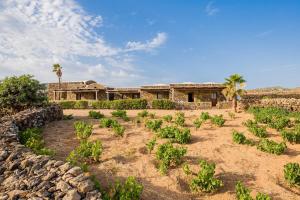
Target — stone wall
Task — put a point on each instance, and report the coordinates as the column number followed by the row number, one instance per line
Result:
column 24, row 175
column 290, row 102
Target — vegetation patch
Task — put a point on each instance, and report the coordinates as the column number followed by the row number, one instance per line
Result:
column 154, row 125
column 95, row 115
column 179, row 119
column 150, row 145
column 240, row 138
column 182, row 136
column 243, row 193
column 121, row 114
column 257, row 130
column 143, row 114
column 293, row 136
column 123, row 104
column 270, row 146
column 292, row 174
column 218, row 120
column 83, row 130
column 168, row 118
column 163, row 104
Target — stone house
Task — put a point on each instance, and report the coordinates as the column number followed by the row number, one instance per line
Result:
column 123, row 93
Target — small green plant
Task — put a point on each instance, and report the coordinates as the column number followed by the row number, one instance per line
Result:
column 143, row 113
column 68, row 117
column 231, row 115
column 165, row 104
column 151, row 115
column 154, row 125
column 257, row 130
column 121, row 114
column 204, row 116
column 205, row 180
column 292, row 174
column 186, row 169
column 218, row 120
column 83, row 130
column 279, row 123
column 32, row 139
column 243, row 193
column 240, row 138
column 197, row 123
column 293, row 136
column 150, row 145
column 118, row 129
column 107, row 123
column 183, row 136
column 179, row 119
column 270, row 146
column 169, row 156
column 168, row 118
column 95, row 115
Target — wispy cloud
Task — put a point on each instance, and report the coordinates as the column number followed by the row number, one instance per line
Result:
column 159, row 40
column 211, row 9
column 264, row 34
column 34, row 34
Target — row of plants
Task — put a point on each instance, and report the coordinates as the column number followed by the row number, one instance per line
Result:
column 117, row 128
column 180, row 135
column 256, row 129
column 292, row 135
column 120, row 114
column 165, row 104
column 243, row 193
column 217, row 120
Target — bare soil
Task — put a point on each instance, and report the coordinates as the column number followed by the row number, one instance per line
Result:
column 127, row 156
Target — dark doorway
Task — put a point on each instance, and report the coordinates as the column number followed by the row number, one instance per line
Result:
column 78, row 96
column 214, row 99
column 111, row 96
column 190, row 97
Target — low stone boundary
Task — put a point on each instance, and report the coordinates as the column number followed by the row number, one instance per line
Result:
column 24, row 175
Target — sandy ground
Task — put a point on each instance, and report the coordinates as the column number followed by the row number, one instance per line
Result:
column 123, row 157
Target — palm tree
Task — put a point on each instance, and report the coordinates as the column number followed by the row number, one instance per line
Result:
column 234, row 88
column 58, row 70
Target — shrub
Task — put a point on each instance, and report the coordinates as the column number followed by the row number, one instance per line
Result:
column 243, row 193
column 218, row 120
column 150, row 145
column 238, row 138
column 101, row 104
column 205, row 180
column 143, row 113
column 197, row 123
column 130, row 190
column 271, row 146
column 292, row 173
column 163, row 104
column 183, row 136
column 179, row 119
column 118, row 129
column 186, row 169
column 121, row 114
column 86, row 152
column 81, row 104
column 292, row 136
column 169, row 156
column 122, row 104
column 154, row 125
column 67, row 104
column 68, row 117
column 19, row 93
column 279, row 123
column 83, row 130
column 106, row 122
column 168, row 118
column 168, row 132
column 95, row 115
column 204, row 116
column 32, row 139
column 253, row 127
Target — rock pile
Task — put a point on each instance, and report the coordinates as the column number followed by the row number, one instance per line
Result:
column 24, row 175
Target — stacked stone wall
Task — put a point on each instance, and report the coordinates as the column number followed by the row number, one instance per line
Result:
column 24, row 175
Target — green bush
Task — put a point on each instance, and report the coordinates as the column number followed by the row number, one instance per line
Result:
column 253, row 127
column 270, row 146
column 186, row 169
column 197, row 123
column 32, row 139
column 107, row 123
column 153, row 125
column 95, row 115
column 101, row 105
column 143, row 113
column 243, row 193
column 169, row 156
column 279, row 123
column 168, row 118
column 83, row 130
column 181, row 136
column 292, row 174
column 238, row 138
column 205, row 180
column 118, row 129
column 204, row 116
column 218, row 120
column 292, row 136
column 81, row 104
column 165, row 104
column 119, row 113
column 124, row 104
column 19, row 93
column 151, row 144
column 67, row 104
column 179, row 119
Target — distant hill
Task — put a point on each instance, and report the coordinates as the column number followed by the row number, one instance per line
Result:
column 273, row 89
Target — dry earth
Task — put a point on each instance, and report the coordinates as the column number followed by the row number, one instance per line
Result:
column 123, row 157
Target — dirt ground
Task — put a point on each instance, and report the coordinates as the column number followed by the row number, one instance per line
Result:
column 123, row 157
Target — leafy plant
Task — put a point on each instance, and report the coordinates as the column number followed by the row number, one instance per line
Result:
column 95, row 115
column 182, row 136
column 165, row 104
column 238, row 137
column 169, row 156
column 197, row 123
column 81, row 104
column 179, row 119
column 204, row 116
column 205, row 180
column 253, row 127
column 118, row 129
column 292, row 174
column 292, row 136
column 121, row 114
column 218, row 120
column 143, row 113
column 243, row 193
column 262, row 196
column 186, row 169
column 83, row 130
column 271, row 146
column 150, row 145
column 153, row 125
column 107, row 123
column 279, row 123
column 168, row 118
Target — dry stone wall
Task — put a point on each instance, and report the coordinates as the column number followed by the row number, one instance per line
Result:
column 24, row 175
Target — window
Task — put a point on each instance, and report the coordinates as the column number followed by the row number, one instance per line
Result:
column 64, row 95
column 111, row 96
column 214, row 95
column 78, row 96
column 190, row 97
column 135, row 96
column 159, row 96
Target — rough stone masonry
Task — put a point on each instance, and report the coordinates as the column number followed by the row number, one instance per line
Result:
column 24, row 175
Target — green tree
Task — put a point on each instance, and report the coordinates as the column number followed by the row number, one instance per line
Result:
column 58, row 71
column 19, row 93
column 234, row 88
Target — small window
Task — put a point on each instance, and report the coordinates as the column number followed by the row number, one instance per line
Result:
column 78, row 96
column 135, row 96
column 214, row 95
column 159, row 96
column 190, row 97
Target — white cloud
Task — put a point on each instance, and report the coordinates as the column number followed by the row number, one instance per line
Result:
column 159, row 40
column 210, row 9
column 34, row 34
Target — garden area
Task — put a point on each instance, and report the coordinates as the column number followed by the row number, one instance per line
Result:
column 213, row 154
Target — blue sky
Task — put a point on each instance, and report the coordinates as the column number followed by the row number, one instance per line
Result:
column 136, row 42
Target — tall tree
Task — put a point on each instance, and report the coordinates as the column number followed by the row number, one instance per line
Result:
column 58, row 71
column 234, row 88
